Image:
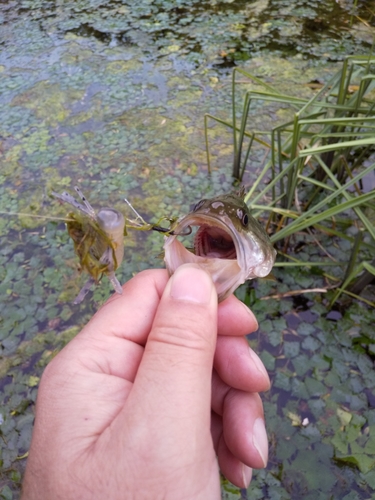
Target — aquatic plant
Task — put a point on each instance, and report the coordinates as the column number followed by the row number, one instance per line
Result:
column 319, row 161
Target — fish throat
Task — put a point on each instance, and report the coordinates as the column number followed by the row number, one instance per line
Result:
column 213, row 242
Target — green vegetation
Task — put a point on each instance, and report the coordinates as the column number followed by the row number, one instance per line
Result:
column 110, row 96
column 319, row 162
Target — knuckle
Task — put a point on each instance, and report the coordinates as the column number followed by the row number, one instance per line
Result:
column 185, row 331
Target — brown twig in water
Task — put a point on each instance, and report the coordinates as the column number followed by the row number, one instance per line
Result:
column 294, row 292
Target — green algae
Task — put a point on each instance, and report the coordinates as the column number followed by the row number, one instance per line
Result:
column 47, row 102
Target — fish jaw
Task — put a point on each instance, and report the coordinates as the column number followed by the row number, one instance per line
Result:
column 225, row 273
column 250, row 259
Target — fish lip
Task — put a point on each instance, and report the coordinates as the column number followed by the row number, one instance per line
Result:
column 177, row 254
column 191, row 219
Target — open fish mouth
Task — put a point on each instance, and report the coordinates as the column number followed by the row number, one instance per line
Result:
column 214, row 242
column 219, row 249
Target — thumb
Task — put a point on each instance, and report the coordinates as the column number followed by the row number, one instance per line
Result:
column 166, row 417
column 176, row 368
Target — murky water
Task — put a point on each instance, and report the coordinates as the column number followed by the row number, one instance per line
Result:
column 110, row 96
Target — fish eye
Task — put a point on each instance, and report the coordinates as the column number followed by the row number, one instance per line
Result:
column 199, row 205
column 244, row 218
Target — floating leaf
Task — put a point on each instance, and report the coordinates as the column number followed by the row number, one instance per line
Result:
column 6, row 493
column 275, row 337
column 311, row 344
column 301, row 364
column 291, row 349
column 315, row 387
column 33, row 381
column 344, row 416
column 295, row 419
column 268, row 360
column 282, row 381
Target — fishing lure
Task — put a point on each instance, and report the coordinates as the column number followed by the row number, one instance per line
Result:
column 98, row 240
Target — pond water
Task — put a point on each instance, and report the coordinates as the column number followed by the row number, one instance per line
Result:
column 110, row 96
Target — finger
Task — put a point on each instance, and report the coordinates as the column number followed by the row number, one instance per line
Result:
column 243, row 423
column 131, row 314
column 183, row 335
column 112, row 342
column 231, row 467
column 239, row 366
column 172, row 388
column 249, row 444
column 137, row 305
column 235, row 318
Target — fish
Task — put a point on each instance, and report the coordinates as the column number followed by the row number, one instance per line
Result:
column 98, row 239
column 229, row 243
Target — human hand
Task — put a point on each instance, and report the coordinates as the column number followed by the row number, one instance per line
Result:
column 124, row 410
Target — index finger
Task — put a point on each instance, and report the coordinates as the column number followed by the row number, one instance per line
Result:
column 235, row 318
column 131, row 314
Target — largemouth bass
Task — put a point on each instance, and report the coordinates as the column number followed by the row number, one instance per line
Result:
column 229, row 243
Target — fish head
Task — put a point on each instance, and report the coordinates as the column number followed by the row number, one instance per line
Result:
column 228, row 243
